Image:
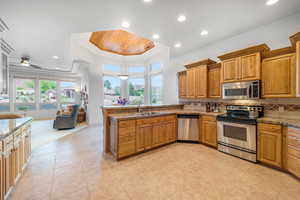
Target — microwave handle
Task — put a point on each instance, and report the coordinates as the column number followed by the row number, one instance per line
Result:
column 250, row 91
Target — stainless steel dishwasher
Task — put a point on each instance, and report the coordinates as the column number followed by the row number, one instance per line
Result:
column 188, row 127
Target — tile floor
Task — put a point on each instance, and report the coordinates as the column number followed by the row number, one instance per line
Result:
column 74, row 168
column 43, row 132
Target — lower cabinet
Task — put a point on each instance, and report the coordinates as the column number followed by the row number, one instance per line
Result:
column 15, row 152
column 132, row 136
column 293, row 151
column 270, row 144
column 144, row 137
column 209, row 130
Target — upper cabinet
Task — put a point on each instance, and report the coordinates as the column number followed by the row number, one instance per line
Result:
column 279, row 76
column 295, row 40
column 242, row 65
column 214, row 81
column 182, row 84
column 198, row 80
column 298, row 68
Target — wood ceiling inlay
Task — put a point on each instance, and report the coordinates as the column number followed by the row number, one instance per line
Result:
column 121, row 42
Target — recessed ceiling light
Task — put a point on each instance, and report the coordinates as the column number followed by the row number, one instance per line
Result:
column 155, row 36
column 125, row 24
column 271, row 2
column 55, row 57
column 204, row 32
column 147, row 1
column 181, row 18
column 57, row 68
column 177, row 45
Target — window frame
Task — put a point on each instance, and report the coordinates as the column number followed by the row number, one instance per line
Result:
column 15, row 104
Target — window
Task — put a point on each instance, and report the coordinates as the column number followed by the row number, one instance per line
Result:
column 156, row 89
column 25, row 91
column 67, row 92
column 4, row 103
column 136, row 90
column 136, row 69
column 112, row 89
column 48, row 96
column 111, row 68
column 156, row 67
column 25, row 94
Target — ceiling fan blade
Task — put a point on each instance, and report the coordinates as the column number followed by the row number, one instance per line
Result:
column 35, row 66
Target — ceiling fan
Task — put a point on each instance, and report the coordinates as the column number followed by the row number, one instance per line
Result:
column 25, row 62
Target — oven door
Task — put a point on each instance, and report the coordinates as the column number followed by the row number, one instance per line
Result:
column 237, row 135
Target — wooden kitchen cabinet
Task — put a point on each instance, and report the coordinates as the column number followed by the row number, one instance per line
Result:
column 209, row 130
column 144, row 137
column 298, row 67
column 243, row 68
column 199, row 77
column 230, row 70
column 293, row 151
column 279, row 76
column 201, row 81
column 191, row 84
column 270, row 144
column 182, row 87
column 214, row 82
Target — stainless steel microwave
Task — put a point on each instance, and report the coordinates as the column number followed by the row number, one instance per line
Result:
column 241, row 90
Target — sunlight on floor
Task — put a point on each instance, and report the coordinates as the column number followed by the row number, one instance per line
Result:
column 43, row 133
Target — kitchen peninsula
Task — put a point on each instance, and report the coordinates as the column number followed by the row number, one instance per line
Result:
column 15, row 151
column 128, row 131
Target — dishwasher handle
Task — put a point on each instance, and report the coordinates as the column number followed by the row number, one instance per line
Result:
column 187, row 116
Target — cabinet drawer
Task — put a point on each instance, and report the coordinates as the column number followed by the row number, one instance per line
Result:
column 146, row 121
column 126, row 124
column 125, row 139
column 269, row 128
column 209, row 118
column 127, row 131
column 126, row 149
column 294, row 165
column 294, row 152
column 170, row 118
column 293, row 141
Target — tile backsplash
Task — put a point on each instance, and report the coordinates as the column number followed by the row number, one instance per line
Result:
column 286, row 108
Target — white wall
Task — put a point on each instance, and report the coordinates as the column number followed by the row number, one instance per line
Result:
column 276, row 35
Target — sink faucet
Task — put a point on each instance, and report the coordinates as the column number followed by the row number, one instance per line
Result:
column 139, row 107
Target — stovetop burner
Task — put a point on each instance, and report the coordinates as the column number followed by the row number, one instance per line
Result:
column 242, row 114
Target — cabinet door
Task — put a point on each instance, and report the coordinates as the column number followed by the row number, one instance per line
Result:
column 201, row 81
column 182, row 77
column 250, row 67
column 279, row 76
column 298, row 68
column 209, row 133
column 144, row 138
column 171, row 131
column 269, row 147
column 190, row 83
column 230, row 70
column 156, row 134
column 214, row 84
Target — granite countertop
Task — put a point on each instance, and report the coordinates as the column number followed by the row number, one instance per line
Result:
column 280, row 121
column 8, row 126
column 125, row 116
column 142, row 106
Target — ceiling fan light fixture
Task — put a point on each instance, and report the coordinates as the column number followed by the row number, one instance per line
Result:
column 123, row 77
column 25, row 62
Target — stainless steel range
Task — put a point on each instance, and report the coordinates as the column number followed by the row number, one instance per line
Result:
column 237, row 131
